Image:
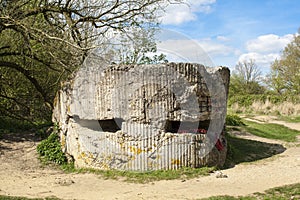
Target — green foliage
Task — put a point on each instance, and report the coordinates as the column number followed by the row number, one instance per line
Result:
column 285, row 73
column 50, row 150
column 31, row 63
column 43, row 42
column 238, row 86
column 234, row 120
column 248, row 100
column 9, row 125
column 245, row 79
column 272, row 131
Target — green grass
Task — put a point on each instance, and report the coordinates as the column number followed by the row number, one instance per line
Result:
column 287, row 192
column 272, row 131
column 150, row 176
column 295, row 119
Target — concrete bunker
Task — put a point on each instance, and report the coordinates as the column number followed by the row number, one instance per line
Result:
column 144, row 117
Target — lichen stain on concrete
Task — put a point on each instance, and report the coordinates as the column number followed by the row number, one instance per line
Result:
column 175, row 162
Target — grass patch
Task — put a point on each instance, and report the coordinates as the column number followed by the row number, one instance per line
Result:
column 290, row 119
column 279, row 193
column 150, row 176
column 142, row 177
column 272, row 131
column 243, row 150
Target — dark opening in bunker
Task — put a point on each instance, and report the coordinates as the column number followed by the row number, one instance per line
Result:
column 186, row 126
column 111, row 125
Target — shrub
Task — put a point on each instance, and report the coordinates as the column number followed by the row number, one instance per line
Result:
column 234, row 120
column 50, row 149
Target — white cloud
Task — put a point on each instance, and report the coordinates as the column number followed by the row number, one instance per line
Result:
column 223, row 38
column 200, row 51
column 263, row 60
column 265, row 49
column 213, row 48
column 269, row 43
column 180, row 13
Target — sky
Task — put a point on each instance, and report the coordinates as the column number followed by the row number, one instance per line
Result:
column 224, row 32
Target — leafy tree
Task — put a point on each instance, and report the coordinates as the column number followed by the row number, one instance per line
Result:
column 285, row 72
column 246, row 79
column 43, row 41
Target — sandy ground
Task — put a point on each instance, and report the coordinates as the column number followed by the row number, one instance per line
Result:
column 22, row 175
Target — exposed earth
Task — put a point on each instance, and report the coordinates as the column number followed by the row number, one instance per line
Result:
column 21, row 174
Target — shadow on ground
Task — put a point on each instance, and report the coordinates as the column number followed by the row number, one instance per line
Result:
column 19, row 137
column 244, row 150
column 7, row 139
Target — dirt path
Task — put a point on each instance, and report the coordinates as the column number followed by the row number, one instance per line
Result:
column 22, row 175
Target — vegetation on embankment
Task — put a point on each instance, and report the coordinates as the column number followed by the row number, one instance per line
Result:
column 265, row 104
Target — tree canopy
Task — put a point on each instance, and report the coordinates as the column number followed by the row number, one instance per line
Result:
column 245, row 79
column 43, row 41
column 285, row 72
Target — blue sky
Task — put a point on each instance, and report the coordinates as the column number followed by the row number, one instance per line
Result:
column 229, row 31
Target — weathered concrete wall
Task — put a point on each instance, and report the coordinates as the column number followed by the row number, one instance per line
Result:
column 144, row 117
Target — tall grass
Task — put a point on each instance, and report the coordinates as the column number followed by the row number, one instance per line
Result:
column 264, row 104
